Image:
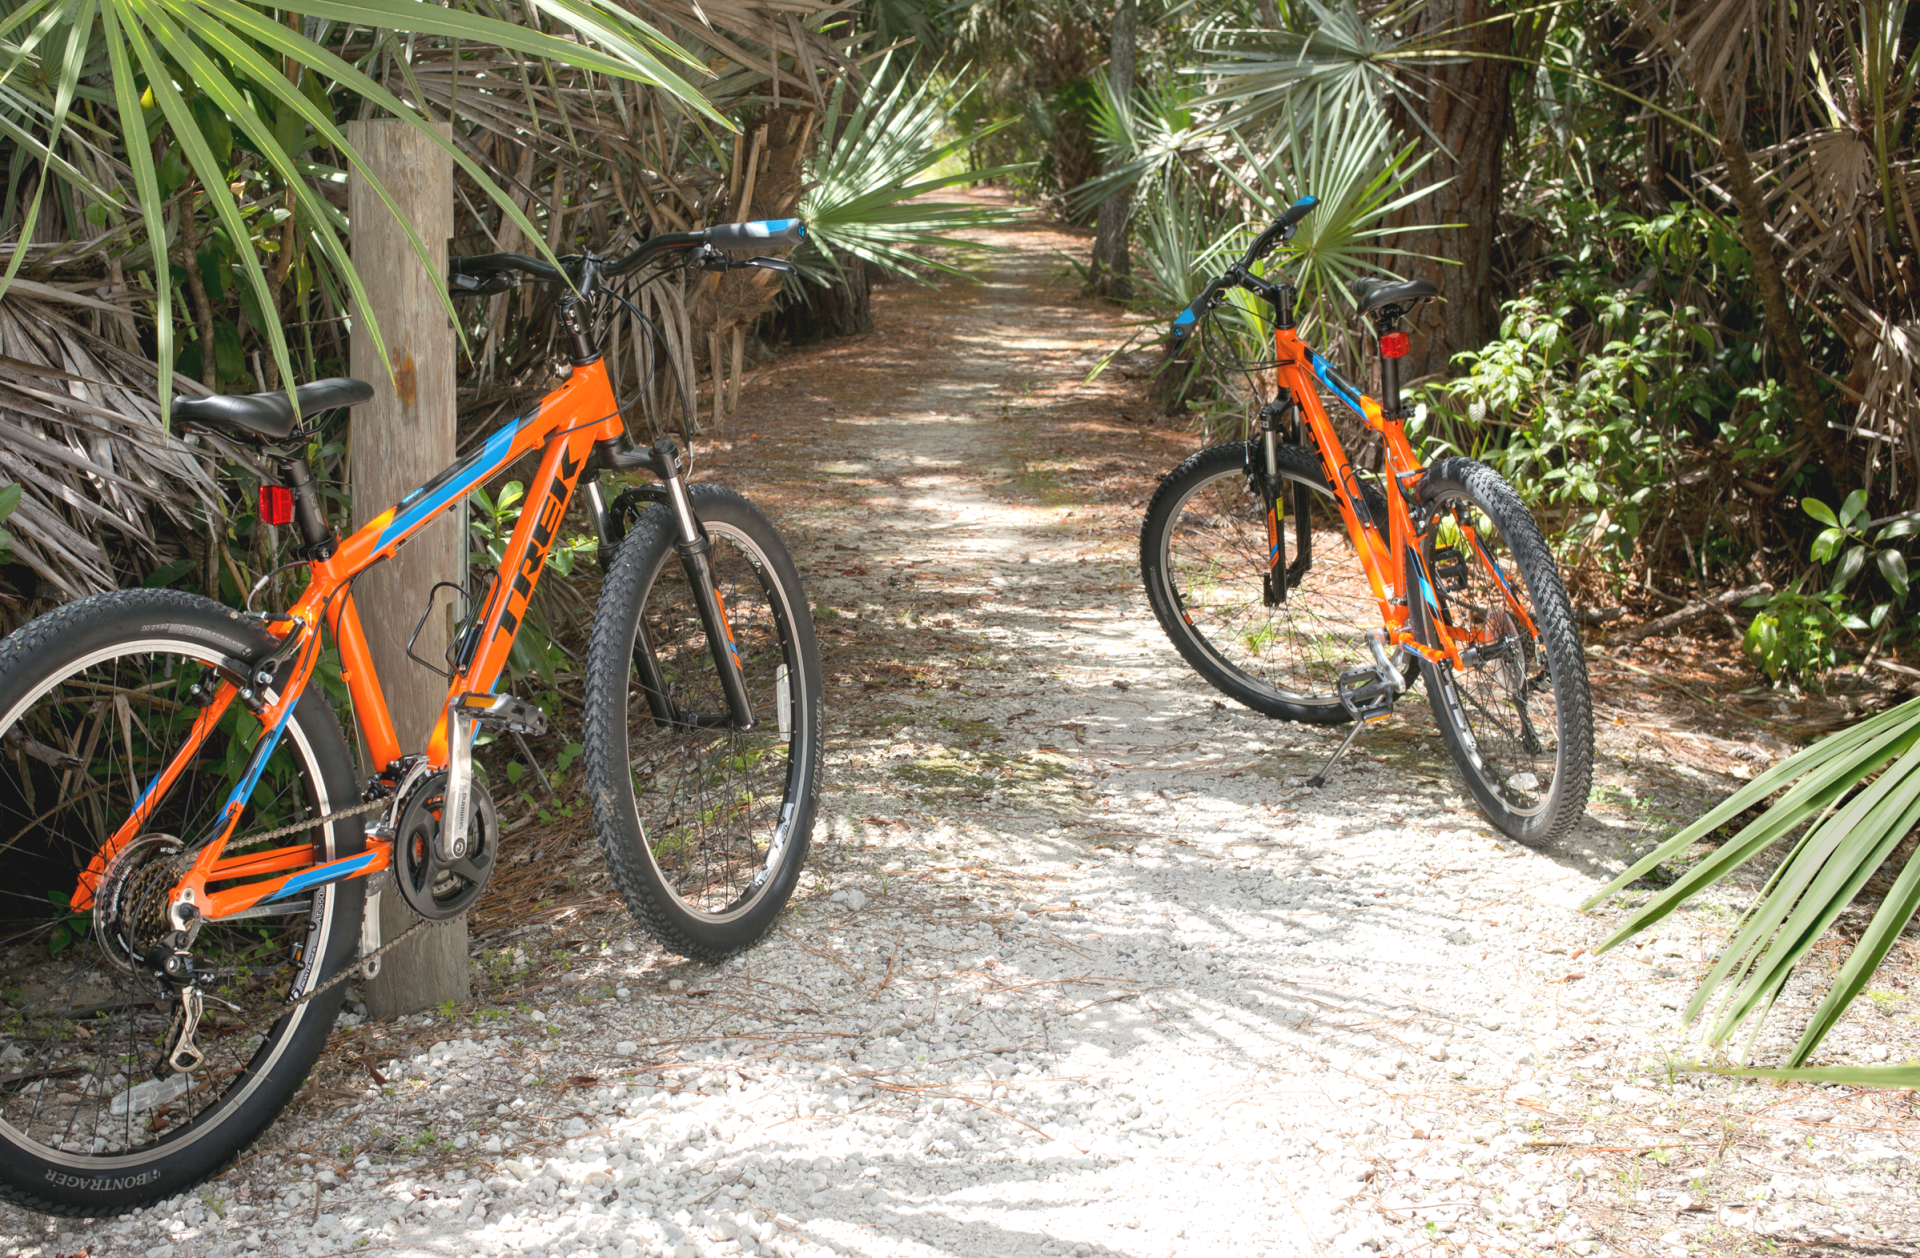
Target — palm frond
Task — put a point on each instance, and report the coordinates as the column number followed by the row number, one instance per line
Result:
column 1857, row 795
column 80, row 431
column 1346, row 53
column 868, row 178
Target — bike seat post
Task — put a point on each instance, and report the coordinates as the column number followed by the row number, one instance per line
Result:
column 309, row 515
column 1393, row 347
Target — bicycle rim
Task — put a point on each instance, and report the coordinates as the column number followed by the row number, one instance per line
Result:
column 1214, row 550
column 716, row 805
column 1502, row 708
column 83, row 1020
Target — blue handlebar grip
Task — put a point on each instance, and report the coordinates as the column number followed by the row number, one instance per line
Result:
column 1183, row 323
column 739, row 237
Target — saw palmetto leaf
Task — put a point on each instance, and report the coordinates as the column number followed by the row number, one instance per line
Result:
column 1857, row 795
column 866, row 181
column 1347, row 156
column 212, row 47
column 1145, row 140
column 1345, row 52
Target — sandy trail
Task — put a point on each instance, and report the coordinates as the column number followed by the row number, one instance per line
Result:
column 1078, row 967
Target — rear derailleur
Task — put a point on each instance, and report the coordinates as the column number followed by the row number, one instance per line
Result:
column 172, row 964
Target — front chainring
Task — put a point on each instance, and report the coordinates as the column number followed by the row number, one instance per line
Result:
column 434, row 881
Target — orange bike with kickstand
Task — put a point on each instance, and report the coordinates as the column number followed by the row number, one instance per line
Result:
column 1311, row 591
column 192, row 855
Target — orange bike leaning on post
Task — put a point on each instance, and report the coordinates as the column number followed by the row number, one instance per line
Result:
column 1311, row 592
column 191, row 854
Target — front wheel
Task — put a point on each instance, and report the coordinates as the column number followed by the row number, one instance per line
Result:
column 1208, row 558
column 705, row 826
column 1518, row 719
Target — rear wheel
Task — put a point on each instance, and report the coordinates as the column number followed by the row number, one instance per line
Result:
column 1518, row 719
column 1204, row 559
column 705, row 826
column 95, row 698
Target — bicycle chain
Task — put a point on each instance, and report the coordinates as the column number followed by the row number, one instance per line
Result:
column 373, row 805
column 354, row 968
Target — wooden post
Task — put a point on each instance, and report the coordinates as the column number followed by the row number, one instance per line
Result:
column 400, row 440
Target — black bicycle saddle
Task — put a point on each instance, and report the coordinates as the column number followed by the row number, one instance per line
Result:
column 1371, row 294
column 270, row 415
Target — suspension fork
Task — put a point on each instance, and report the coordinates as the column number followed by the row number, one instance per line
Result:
column 696, row 557
column 1277, row 417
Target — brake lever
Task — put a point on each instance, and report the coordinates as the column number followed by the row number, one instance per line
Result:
column 714, row 260
column 482, row 285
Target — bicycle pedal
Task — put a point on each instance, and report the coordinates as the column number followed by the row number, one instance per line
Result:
column 1366, row 695
column 516, row 716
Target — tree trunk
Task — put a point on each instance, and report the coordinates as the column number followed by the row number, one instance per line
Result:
column 399, row 442
column 1782, row 330
column 1469, row 109
column 1111, row 273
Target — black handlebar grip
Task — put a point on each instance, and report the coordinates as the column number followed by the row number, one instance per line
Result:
column 1281, row 230
column 487, row 265
column 774, row 233
column 1187, row 320
column 1297, row 211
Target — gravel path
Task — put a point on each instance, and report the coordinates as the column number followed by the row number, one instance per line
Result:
column 1080, row 967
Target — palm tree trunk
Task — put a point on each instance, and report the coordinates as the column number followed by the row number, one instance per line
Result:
column 1112, row 270
column 1469, row 110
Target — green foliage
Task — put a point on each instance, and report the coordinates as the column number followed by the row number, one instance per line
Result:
column 1795, row 635
column 490, row 521
column 9, row 500
column 1211, row 172
column 1846, row 536
column 866, row 179
column 233, row 63
column 1857, row 795
column 1607, row 378
column 71, row 927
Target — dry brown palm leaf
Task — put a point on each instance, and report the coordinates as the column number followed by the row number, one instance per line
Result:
column 1725, row 43
column 80, row 431
column 1888, row 407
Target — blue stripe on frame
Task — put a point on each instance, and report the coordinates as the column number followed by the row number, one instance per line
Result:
column 461, row 478
column 325, row 873
column 1323, row 370
column 263, row 751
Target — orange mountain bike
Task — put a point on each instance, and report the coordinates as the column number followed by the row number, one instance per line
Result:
column 190, row 851
column 1434, row 570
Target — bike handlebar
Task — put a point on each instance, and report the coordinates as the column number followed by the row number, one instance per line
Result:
column 1279, row 233
column 487, row 273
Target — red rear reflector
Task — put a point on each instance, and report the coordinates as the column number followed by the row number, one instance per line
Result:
column 276, row 504
column 1394, row 345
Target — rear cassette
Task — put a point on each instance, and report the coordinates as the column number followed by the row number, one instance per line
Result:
column 440, row 876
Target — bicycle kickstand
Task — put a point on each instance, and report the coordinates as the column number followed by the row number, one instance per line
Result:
column 1368, row 695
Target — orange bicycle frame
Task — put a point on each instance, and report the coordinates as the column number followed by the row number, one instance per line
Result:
column 572, row 426
column 1395, row 569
